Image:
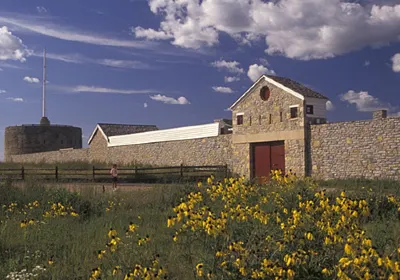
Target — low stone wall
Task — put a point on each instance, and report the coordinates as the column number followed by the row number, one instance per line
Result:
column 204, row 151
column 369, row 149
column 72, row 155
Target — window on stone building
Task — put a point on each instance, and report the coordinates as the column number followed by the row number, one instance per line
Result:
column 310, row 109
column 239, row 119
column 281, row 116
column 44, row 141
column 270, row 118
column 294, row 112
column 62, row 142
column 250, row 120
column 259, row 119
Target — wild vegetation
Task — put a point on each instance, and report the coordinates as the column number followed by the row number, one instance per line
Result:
column 290, row 228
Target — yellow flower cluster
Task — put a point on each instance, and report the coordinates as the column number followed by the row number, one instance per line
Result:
column 270, row 232
column 395, row 201
column 25, row 223
column 59, row 210
column 112, row 204
column 154, row 271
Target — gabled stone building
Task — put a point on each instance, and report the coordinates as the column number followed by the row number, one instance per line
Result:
column 270, row 122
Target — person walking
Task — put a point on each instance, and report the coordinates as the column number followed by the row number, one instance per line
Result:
column 114, row 175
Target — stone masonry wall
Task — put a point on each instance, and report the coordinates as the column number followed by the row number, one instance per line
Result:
column 369, row 149
column 53, row 156
column 204, row 151
column 262, row 117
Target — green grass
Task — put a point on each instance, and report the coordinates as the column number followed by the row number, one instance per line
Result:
column 74, row 241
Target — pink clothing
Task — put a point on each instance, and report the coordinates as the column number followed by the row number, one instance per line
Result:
column 114, row 172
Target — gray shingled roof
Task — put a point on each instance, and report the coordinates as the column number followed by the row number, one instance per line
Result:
column 110, row 129
column 297, row 87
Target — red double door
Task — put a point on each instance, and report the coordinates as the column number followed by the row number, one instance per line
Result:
column 267, row 156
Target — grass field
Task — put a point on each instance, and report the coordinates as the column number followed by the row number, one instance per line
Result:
column 288, row 229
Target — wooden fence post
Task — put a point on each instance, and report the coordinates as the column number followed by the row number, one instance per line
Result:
column 181, row 170
column 93, row 173
column 23, row 173
column 56, row 173
column 135, row 171
column 226, row 170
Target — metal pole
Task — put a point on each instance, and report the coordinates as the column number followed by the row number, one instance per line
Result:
column 44, row 85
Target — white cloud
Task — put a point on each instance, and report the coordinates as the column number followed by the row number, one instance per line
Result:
column 41, row 9
column 223, row 89
column 150, row 34
column 289, row 27
column 2, row 91
column 81, row 59
column 35, row 25
column 145, row 105
column 15, row 99
column 329, row 106
column 94, row 89
column 11, row 47
column 365, row 102
column 169, row 100
column 231, row 79
column 255, row 71
column 230, row 66
column 31, row 80
column 396, row 62
column 367, row 63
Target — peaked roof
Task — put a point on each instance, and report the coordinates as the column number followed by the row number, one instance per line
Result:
column 110, row 129
column 287, row 85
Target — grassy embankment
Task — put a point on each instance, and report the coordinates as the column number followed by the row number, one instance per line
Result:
column 232, row 229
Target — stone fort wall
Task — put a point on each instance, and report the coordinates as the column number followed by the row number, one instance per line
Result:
column 205, row 151
column 369, row 149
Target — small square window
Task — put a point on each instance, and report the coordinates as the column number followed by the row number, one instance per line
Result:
column 239, row 119
column 293, row 112
column 310, row 109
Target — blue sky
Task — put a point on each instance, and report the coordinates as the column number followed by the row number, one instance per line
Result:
column 177, row 64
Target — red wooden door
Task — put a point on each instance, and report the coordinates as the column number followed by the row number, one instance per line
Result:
column 278, row 156
column 266, row 157
column 262, row 162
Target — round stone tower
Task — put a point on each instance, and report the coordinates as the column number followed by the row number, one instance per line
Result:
column 42, row 137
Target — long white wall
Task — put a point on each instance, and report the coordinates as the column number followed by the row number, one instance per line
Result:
column 164, row 135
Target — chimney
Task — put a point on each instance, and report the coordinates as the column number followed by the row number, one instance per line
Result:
column 379, row 114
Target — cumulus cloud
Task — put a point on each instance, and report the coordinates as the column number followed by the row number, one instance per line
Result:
column 145, row 105
column 2, row 91
column 230, row 66
column 223, row 89
column 365, row 102
column 367, row 63
column 170, row 100
column 31, row 80
column 15, row 99
column 231, row 79
column 329, row 106
column 255, row 71
column 396, row 62
column 11, row 47
column 289, row 27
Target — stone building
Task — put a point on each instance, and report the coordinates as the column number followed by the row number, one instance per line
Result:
column 276, row 124
column 270, row 123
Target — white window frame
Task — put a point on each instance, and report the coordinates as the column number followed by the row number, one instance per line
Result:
column 239, row 114
column 294, row 106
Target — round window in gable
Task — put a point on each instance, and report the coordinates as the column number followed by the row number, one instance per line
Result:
column 265, row 93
